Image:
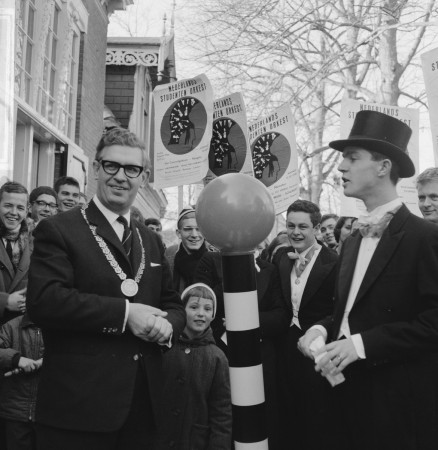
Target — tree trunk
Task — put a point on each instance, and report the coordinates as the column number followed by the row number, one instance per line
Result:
column 388, row 60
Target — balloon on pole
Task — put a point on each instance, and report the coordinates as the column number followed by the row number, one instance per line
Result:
column 235, row 212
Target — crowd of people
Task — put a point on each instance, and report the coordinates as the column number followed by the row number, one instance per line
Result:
column 109, row 340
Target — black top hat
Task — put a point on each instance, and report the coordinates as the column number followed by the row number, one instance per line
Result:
column 378, row 132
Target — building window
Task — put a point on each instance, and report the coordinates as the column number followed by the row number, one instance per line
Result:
column 46, row 92
column 68, row 105
column 24, row 48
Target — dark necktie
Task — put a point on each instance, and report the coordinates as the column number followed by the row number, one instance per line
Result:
column 9, row 249
column 127, row 235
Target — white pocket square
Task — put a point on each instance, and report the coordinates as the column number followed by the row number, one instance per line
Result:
column 155, row 264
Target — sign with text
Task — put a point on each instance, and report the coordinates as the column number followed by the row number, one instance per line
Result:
column 406, row 186
column 183, row 123
column 229, row 147
column 274, row 156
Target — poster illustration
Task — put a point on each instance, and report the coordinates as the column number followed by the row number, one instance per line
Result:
column 406, row 188
column 183, row 123
column 229, row 147
column 275, row 157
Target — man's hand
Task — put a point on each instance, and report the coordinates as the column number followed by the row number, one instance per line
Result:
column 17, row 301
column 341, row 353
column 149, row 323
column 27, row 365
column 305, row 341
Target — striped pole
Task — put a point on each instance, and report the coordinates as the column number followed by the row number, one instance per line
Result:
column 244, row 351
column 235, row 212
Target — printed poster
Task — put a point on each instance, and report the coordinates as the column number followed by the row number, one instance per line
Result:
column 183, row 123
column 275, row 157
column 229, row 147
column 429, row 62
column 406, row 187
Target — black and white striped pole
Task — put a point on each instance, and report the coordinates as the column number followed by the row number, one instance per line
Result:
column 235, row 212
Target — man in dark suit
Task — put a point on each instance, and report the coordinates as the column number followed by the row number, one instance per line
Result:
column 307, row 273
column 100, row 289
column 383, row 334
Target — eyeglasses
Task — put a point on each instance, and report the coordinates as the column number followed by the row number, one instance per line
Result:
column 43, row 204
column 111, row 168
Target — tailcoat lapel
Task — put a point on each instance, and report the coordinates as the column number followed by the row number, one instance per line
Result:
column 285, row 269
column 320, row 269
column 385, row 249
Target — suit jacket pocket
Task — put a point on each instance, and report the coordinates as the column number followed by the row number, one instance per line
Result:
column 199, row 437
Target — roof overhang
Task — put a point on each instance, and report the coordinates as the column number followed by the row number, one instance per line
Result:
column 133, row 51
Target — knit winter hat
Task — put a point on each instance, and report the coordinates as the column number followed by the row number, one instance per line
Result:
column 184, row 212
column 199, row 290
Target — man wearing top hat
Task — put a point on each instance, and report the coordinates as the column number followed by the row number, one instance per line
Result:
column 383, row 333
column 101, row 290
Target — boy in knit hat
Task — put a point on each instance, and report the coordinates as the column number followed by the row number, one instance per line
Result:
column 197, row 402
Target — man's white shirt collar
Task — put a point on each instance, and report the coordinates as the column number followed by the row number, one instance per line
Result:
column 381, row 210
column 111, row 216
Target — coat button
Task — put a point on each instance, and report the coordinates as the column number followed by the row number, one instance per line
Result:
column 187, row 351
column 135, row 357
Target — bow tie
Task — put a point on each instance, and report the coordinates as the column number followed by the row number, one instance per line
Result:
column 371, row 227
column 294, row 255
column 302, row 260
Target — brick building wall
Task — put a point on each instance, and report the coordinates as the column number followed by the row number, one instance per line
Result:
column 91, row 85
column 119, row 92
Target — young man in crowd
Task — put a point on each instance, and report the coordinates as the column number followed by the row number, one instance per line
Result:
column 328, row 224
column 104, row 300
column 427, row 187
column 307, row 273
column 68, row 191
column 42, row 203
column 14, row 250
column 383, row 334
column 184, row 257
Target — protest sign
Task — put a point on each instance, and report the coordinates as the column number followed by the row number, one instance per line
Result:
column 274, row 155
column 229, row 148
column 429, row 62
column 183, row 123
